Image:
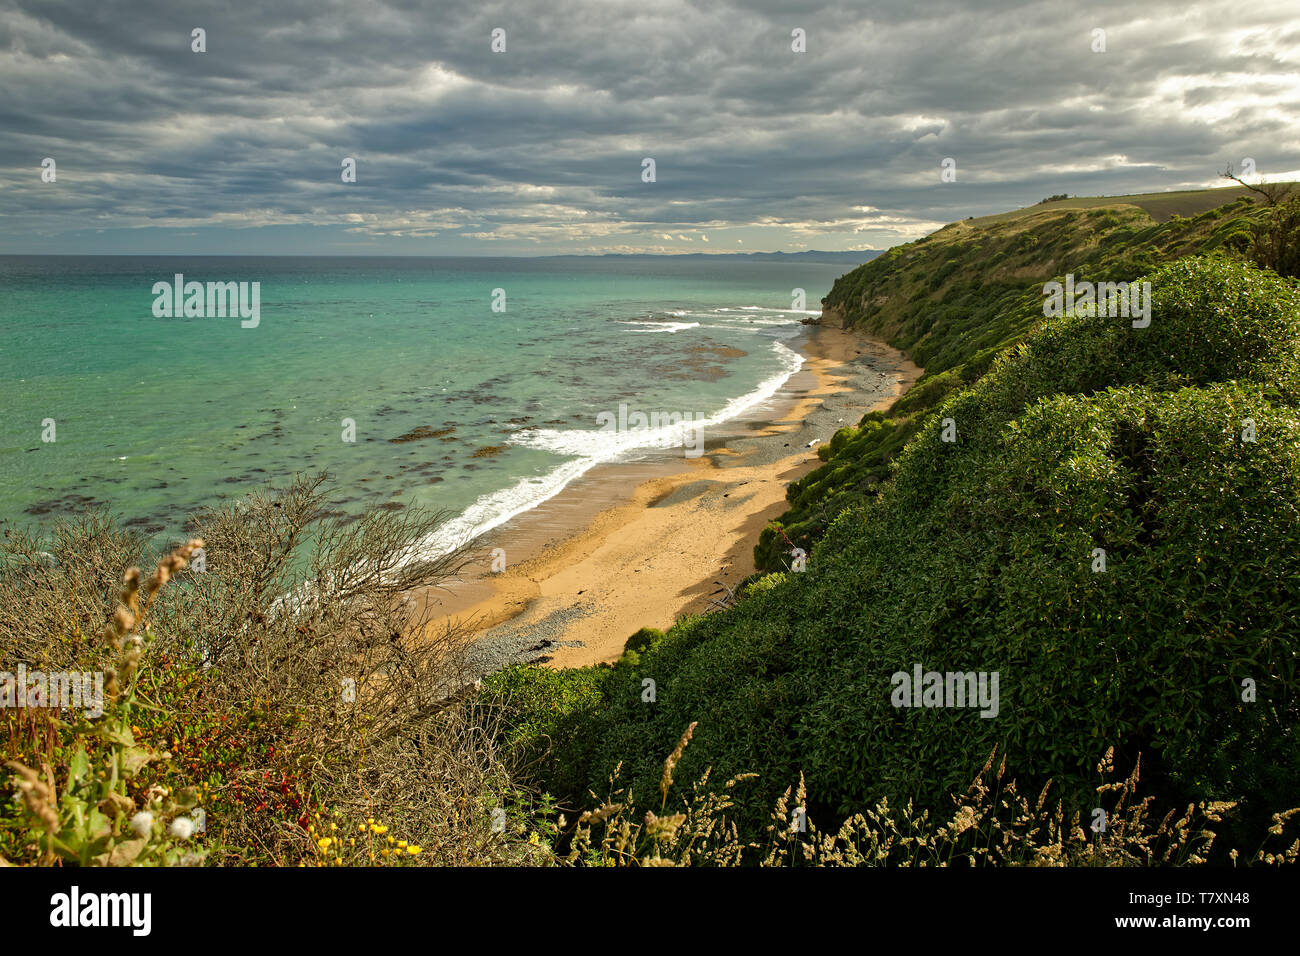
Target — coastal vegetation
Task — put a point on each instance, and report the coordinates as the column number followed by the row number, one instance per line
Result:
column 241, row 726
column 1107, row 518
column 1174, row 451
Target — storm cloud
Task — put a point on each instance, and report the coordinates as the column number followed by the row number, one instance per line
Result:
column 539, row 149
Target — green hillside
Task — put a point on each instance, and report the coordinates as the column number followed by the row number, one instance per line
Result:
column 961, row 531
column 953, row 300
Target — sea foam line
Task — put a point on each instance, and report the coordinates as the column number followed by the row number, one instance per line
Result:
column 662, row 326
column 591, row 448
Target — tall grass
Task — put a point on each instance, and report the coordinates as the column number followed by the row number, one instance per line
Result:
column 991, row 824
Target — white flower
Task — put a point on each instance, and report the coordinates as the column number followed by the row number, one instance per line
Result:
column 181, row 828
column 142, row 823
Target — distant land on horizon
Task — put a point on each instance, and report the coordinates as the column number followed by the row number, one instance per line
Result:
column 856, row 257
column 812, row 255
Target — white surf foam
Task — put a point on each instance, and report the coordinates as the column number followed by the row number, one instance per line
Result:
column 662, row 326
column 495, row 509
column 768, row 308
column 588, row 448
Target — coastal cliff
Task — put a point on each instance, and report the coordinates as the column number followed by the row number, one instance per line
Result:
column 833, row 315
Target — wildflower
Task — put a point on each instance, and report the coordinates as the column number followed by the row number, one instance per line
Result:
column 414, row 850
column 324, row 843
column 182, row 828
column 142, row 823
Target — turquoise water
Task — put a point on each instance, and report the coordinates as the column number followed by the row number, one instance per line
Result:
column 155, row 417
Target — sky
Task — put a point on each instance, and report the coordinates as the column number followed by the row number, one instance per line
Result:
column 540, row 148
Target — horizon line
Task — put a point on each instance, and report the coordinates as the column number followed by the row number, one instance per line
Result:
column 377, row 255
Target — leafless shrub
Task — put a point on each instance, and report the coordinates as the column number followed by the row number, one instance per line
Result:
column 299, row 625
column 1276, row 243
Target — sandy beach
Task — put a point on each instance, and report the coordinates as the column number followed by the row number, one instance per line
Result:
column 641, row 544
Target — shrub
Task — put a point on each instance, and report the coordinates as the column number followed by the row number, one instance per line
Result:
column 296, row 692
column 1211, row 320
column 1276, row 242
column 87, row 814
column 542, row 715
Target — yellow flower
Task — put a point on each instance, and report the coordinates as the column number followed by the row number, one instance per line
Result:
column 383, row 852
column 413, row 849
column 532, row 838
column 324, row 843
column 401, row 844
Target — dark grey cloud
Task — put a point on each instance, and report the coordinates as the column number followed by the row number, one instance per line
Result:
column 539, row 149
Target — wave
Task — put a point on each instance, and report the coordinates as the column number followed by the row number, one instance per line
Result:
column 768, row 308
column 662, row 326
column 736, row 323
column 495, row 509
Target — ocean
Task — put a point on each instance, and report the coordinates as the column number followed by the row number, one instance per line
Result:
column 395, row 375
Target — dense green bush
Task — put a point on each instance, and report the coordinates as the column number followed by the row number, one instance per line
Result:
column 990, row 301
column 544, row 715
column 1211, row 320
column 980, row 557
